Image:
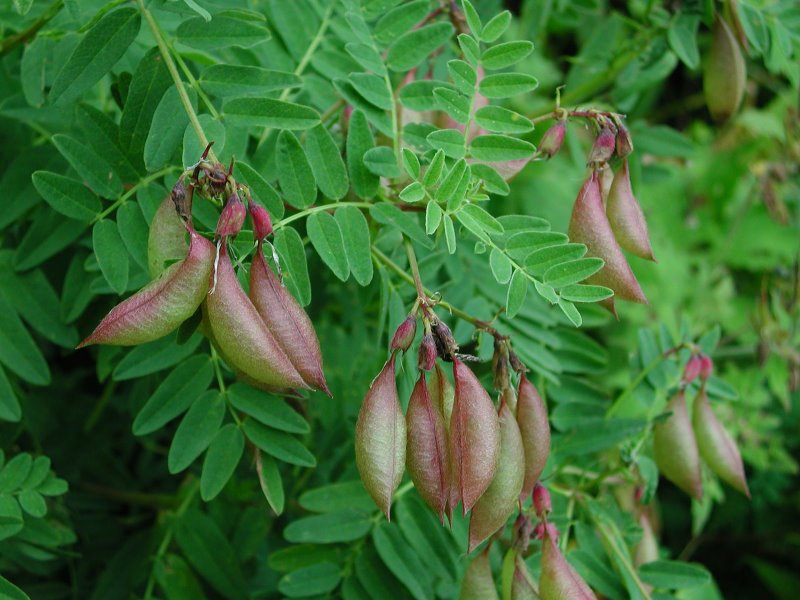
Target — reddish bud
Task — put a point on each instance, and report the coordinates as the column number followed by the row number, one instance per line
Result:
column 543, row 530
column 552, row 139
column 427, row 353
column 445, row 342
column 404, row 334
column 624, row 143
column 603, row 147
column 541, row 500
column 692, row 368
column 535, row 428
column 626, row 217
column 706, row 367
column 675, row 447
column 232, row 217
column 262, row 224
column 182, row 200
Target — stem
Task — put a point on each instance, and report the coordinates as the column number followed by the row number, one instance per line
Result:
column 20, row 38
column 193, row 80
column 91, row 420
column 124, row 198
column 412, row 261
column 639, row 378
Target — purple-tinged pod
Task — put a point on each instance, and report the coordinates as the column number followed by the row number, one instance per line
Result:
column 162, row 305
column 724, row 73
column 522, row 586
column 242, row 335
column 534, row 426
column 426, row 359
column 552, row 139
column 442, row 393
column 624, row 143
column 717, row 447
column 404, row 334
column 675, row 447
column 603, row 147
column 381, row 439
column 474, row 438
column 626, row 216
column 287, row 322
column 262, row 224
column 232, row 217
column 166, row 241
column 558, row 579
column 589, row 225
column 426, row 456
column 478, row 583
column 606, row 178
column 497, row 503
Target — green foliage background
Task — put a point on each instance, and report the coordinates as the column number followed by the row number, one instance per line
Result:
column 89, row 507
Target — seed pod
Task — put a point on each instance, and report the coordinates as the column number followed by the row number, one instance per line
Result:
column 426, row 358
column 606, row 178
column 262, row 224
column 442, row 394
column 692, row 368
column 558, row 580
column 626, row 216
column 603, row 147
column 724, row 74
column 478, row 582
column 716, row 446
column 445, row 342
column 552, row 139
column 534, row 426
column 242, row 335
column 474, row 438
column 493, row 508
column 232, row 217
column 166, row 241
column 182, row 200
column 624, row 143
column 675, row 448
column 647, row 549
column 509, row 396
column 589, row 225
column 287, row 322
column 162, row 305
column 381, row 439
column 522, row 586
column 404, row 334
column 541, row 500
column 426, row 457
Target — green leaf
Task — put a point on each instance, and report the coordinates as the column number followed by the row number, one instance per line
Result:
column 463, row 75
column 517, row 290
column 435, row 168
column 196, row 431
column 18, row 352
column 294, row 173
column 526, row 242
column 222, row 457
column 174, row 575
column 433, row 216
column 470, row 47
column 492, row 180
column 402, row 560
column 33, row 503
column 193, row 147
column 506, row 54
column 355, row 234
column 682, row 38
column 326, row 163
column 573, row 271
column 47, row 235
column 112, row 256
column 505, row 85
column 15, row 471
column 411, row 163
column 223, row 32
column 413, row 47
column 95, row 54
column 674, row 574
column 166, row 129
column 66, row 196
column 261, row 190
column 8, row 591
column 133, row 229
column 454, row 103
column 418, row 95
column 400, row 19
column 266, row 112
column 337, row 496
column 334, row 527
column 10, row 410
column 450, row 141
column 154, row 356
column 538, row 261
column 585, row 293
column 495, row 148
column 382, row 162
column 413, row 192
column 502, row 120
column 224, row 80
column 320, row 578
column 293, row 263
column 449, row 233
column 326, row 237
column 359, row 141
column 473, row 20
column 185, row 384
column 569, row 310
column 93, row 168
column 279, row 444
column 496, row 27
column 366, row 56
column 389, row 214
column 373, row 89
column 501, row 266
column 487, row 221
column 594, row 436
column 266, row 408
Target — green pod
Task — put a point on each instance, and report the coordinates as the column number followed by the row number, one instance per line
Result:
column 647, row 549
column 287, row 321
column 241, row 334
column 534, row 426
column 381, row 439
column 493, row 508
column 162, row 305
column 724, row 73
column 522, row 586
column 558, row 580
column 716, row 446
column 676, row 450
column 626, row 216
column 474, row 438
column 426, row 456
column 166, row 241
column 478, row 583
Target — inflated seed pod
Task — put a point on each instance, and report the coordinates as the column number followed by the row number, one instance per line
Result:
column 647, row 548
column 552, row 139
column 497, row 503
column 426, row 454
column 724, row 73
column 241, row 334
column 404, row 334
column 166, row 241
column 474, row 438
column 558, row 580
column 534, row 426
column 604, row 145
column 675, row 447
column 381, row 439
column 716, row 446
column 442, row 393
column 626, row 216
column 522, row 586
column 478, row 583
column 163, row 304
column 287, row 322
column 232, row 217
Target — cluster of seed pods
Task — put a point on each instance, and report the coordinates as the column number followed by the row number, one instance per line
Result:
column 264, row 336
column 457, row 446
column 682, row 441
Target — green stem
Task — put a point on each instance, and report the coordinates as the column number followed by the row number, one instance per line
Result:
column 20, row 38
column 124, row 198
column 635, row 383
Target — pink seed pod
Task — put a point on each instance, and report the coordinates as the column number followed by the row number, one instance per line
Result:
column 624, row 143
column 534, row 426
column 706, row 367
column 603, row 147
column 232, row 217
column 589, row 225
column 442, row 393
column 676, row 451
column 426, row 358
column 541, row 500
column 287, row 321
column 552, row 139
column 262, row 224
column 404, row 334
column 478, row 583
column 543, row 529
column 474, row 438
column 558, row 580
column 692, row 369
column 717, row 447
column 166, row 241
column 162, row 305
column 522, row 586
column 381, row 439
column 426, row 456
column 626, row 216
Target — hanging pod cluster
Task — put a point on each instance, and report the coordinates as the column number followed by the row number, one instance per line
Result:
column 458, row 448
column 683, row 441
column 264, row 336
